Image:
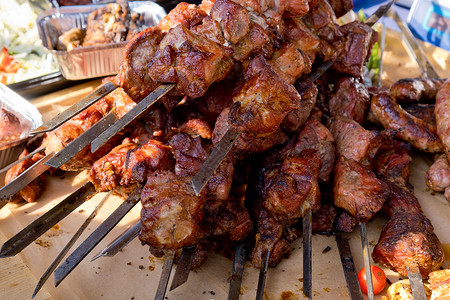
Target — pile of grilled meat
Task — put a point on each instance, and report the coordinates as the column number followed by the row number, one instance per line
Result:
column 331, row 146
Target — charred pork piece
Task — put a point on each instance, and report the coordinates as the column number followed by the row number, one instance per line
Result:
column 321, row 20
column 423, row 111
column 392, row 163
column 190, row 60
column 441, row 111
column 358, row 190
column 171, row 213
column 344, row 221
column 270, row 235
column 357, row 44
column 263, row 100
column 413, row 90
column 292, row 189
column 354, row 142
column 438, row 175
column 32, row 191
column 341, row 7
column 408, row 239
column 409, row 128
column 351, row 99
column 315, row 136
column 129, row 163
column 108, row 24
column 323, row 219
column 133, row 74
column 296, row 32
column 189, row 15
column 297, row 117
column 10, row 128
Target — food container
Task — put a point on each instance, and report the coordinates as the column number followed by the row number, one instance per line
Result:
column 90, row 61
column 29, row 118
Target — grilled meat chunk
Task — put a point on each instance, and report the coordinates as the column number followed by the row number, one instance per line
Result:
column 188, row 15
column 413, row 90
column 357, row 189
column 438, row 175
column 341, row 7
column 189, row 153
column 171, row 213
column 10, row 127
column 323, row 219
column 291, row 190
column 133, row 74
column 315, row 136
column 392, row 163
column 33, row 190
column 442, row 112
column 351, row 99
column 263, row 100
column 190, row 60
column 357, row 45
column 409, row 128
column 355, row 142
column 234, row 19
column 296, row 32
column 408, row 239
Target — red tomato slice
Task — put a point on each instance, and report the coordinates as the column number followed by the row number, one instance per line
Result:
column 378, row 280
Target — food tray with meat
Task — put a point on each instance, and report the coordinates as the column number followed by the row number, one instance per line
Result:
column 17, row 119
column 92, row 59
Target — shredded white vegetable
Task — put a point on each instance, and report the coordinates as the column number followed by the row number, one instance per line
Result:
column 19, row 34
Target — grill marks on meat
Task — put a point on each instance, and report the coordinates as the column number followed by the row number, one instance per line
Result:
column 357, row 189
column 171, row 213
column 33, row 190
column 442, row 112
column 409, row 128
column 413, row 90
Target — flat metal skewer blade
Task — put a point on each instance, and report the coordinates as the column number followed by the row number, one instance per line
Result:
column 24, row 179
column 120, row 242
column 134, row 113
column 414, row 47
column 262, row 276
column 212, row 162
column 415, row 280
column 366, row 258
column 65, row 154
column 76, row 108
column 86, row 247
column 30, row 233
column 379, row 13
column 164, row 279
column 307, row 255
column 29, row 155
column 349, row 267
column 69, row 245
column 238, row 270
column 183, row 267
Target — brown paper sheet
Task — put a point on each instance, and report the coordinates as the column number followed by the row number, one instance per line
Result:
column 134, row 273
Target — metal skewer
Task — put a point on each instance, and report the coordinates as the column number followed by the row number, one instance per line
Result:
column 120, row 242
column 238, row 269
column 86, row 247
column 262, row 276
column 164, row 279
column 69, row 245
column 183, row 267
column 307, row 255
column 30, row 233
column 90, row 99
column 416, row 283
column 366, row 257
column 134, row 113
column 29, row 155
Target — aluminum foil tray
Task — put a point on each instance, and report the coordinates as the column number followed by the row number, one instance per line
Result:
column 90, row 61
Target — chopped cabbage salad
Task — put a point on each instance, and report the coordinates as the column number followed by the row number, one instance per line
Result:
column 19, row 34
